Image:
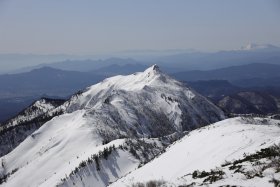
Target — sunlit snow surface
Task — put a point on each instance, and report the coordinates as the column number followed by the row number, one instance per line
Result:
column 208, row 148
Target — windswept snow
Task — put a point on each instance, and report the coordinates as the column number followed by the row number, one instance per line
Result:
column 119, row 162
column 207, row 148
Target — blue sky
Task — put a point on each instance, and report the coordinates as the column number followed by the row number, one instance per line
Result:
column 105, row 26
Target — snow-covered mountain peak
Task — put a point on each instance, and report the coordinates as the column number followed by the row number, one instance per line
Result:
column 151, row 79
column 253, row 46
column 147, row 103
column 136, row 81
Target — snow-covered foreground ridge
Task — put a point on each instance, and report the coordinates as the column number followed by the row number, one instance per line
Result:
column 211, row 147
column 141, row 105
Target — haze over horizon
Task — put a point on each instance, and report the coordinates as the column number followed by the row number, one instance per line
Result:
column 104, row 27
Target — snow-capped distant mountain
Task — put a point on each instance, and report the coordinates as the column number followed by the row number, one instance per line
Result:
column 253, row 46
column 230, row 148
column 95, row 122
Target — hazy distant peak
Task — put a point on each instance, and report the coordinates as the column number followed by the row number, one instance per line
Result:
column 46, row 69
column 254, row 46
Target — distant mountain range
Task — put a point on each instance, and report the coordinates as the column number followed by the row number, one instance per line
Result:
column 214, row 89
column 15, row 62
column 250, row 102
column 170, row 61
column 239, row 100
column 249, row 75
column 252, row 53
column 50, row 81
column 82, row 65
column 45, row 80
column 110, row 66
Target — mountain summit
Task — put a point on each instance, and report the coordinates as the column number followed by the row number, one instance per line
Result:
column 151, row 100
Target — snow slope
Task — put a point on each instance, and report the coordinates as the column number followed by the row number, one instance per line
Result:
column 119, row 164
column 116, row 164
column 207, row 148
column 52, row 151
column 140, row 105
